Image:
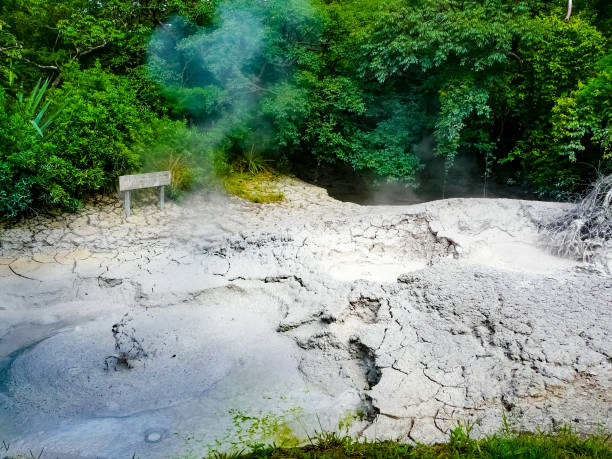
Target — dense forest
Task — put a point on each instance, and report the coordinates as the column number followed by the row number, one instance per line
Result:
column 394, row 89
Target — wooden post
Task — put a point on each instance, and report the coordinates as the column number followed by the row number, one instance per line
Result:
column 162, row 196
column 126, row 197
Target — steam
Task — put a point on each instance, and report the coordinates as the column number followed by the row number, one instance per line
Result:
column 217, row 75
column 207, row 72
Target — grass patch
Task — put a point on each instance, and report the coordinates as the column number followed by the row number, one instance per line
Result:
column 562, row 444
column 259, row 187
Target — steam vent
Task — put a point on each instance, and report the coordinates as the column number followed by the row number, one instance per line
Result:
column 166, row 332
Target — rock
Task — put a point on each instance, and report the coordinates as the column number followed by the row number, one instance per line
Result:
column 153, row 437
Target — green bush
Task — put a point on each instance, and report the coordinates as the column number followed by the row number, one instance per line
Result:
column 102, row 131
column 99, row 125
column 554, row 152
column 90, row 143
column 18, row 148
column 31, row 174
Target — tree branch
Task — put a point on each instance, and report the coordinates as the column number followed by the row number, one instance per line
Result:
column 25, row 59
column 86, row 51
column 516, row 56
column 94, row 48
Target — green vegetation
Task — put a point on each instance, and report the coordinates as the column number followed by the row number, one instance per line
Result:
column 259, row 188
column 250, row 178
column 564, row 444
column 400, row 91
column 248, row 429
column 268, row 435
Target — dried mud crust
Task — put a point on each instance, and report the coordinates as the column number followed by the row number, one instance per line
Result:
column 450, row 343
column 418, row 316
column 101, row 225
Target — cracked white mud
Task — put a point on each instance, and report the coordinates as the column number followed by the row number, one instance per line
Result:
column 151, row 329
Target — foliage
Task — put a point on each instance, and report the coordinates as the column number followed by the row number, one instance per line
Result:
column 30, row 108
column 248, row 429
column 98, row 102
column 250, row 162
column 586, row 111
column 552, row 150
column 563, row 444
column 30, row 171
column 250, row 177
column 493, row 72
column 54, row 36
column 58, row 169
column 397, row 90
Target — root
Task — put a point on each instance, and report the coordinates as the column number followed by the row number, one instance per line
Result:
column 584, row 232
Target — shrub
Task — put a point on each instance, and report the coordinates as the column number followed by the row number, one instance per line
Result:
column 31, row 174
column 98, row 127
column 97, row 121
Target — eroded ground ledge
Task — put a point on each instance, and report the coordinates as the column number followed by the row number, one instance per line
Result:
column 306, row 311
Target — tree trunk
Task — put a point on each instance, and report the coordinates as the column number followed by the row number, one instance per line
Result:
column 569, row 10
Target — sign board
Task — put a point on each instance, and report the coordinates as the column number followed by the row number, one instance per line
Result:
column 138, row 181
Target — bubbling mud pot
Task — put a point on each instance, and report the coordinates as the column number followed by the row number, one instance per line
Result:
column 159, row 334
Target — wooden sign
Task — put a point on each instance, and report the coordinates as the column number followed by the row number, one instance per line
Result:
column 139, row 181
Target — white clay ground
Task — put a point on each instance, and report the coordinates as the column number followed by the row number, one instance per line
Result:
column 300, row 314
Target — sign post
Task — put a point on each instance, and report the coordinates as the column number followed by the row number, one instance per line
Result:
column 128, row 183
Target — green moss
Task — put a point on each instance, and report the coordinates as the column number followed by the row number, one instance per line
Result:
column 349, row 418
column 259, row 188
